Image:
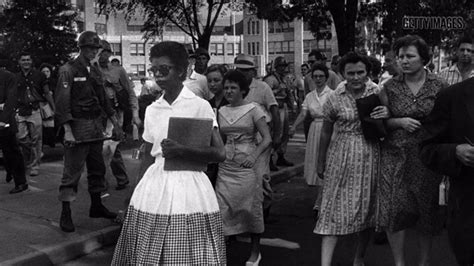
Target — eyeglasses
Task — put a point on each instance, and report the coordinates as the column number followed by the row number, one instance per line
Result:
column 163, row 69
column 319, row 76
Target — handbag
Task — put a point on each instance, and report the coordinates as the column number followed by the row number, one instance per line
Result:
column 46, row 111
column 373, row 129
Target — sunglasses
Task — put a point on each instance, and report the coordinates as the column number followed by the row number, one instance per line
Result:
column 163, row 69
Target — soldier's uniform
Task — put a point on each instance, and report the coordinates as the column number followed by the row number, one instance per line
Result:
column 81, row 102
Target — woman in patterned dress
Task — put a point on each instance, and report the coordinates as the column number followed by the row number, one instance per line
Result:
column 313, row 106
column 237, row 185
column 407, row 190
column 348, row 163
column 173, row 217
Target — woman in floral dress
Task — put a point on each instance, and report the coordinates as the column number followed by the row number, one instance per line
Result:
column 407, row 190
column 348, row 163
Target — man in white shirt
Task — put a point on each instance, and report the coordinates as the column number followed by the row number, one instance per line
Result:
column 462, row 69
column 197, row 81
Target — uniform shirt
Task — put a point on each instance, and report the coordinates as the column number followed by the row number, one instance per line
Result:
column 452, row 75
column 117, row 76
column 279, row 88
column 80, row 92
column 261, row 94
column 32, row 86
column 157, row 116
column 197, row 83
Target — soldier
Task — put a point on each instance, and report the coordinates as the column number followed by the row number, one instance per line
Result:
column 12, row 155
column 285, row 101
column 81, row 102
column 119, row 89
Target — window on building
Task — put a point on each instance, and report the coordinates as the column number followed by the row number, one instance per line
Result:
column 271, row 47
column 257, row 27
column 230, row 49
column 134, row 28
column 258, row 48
column 253, row 49
column 249, row 48
column 284, row 47
column 219, row 49
column 137, row 49
column 116, row 49
column 138, row 69
column 277, row 47
column 291, row 46
column 212, row 49
column 249, row 26
column 96, row 7
column 100, row 28
column 271, row 27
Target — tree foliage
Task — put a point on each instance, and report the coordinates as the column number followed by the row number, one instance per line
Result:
column 43, row 27
column 392, row 13
column 196, row 18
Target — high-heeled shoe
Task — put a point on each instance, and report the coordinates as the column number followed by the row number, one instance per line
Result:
column 254, row 263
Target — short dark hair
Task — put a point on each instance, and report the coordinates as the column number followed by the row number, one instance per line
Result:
column 175, row 51
column 239, row 78
column 305, row 65
column 321, row 67
column 353, row 58
column 464, row 39
column 375, row 66
column 25, row 53
column 47, row 65
column 318, row 54
column 415, row 40
column 217, row 68
column 115, row 60
column 142, row 80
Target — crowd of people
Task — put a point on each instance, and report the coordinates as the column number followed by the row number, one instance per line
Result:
column 378, row 146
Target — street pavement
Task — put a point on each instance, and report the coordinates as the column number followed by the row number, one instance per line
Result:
column 30, row 235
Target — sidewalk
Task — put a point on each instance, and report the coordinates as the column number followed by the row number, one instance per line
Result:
column 29, row 229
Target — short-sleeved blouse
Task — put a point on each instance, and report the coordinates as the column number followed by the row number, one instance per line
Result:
column 157, row 116
column 313, row 102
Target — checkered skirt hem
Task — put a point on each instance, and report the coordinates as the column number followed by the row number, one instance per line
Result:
column 178, row 239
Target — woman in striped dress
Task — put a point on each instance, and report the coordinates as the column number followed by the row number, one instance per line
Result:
column 349, row 163
column 173, row 217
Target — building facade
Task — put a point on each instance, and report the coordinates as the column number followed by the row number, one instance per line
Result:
column 129, row 46
column 267, row 40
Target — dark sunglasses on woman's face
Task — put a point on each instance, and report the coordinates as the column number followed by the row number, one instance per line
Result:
column 163, row 69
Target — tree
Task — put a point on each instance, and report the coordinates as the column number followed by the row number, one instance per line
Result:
column 196, row 18
column 392, row 14
column 43, row 27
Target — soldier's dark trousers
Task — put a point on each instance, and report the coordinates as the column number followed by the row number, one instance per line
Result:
column 75, row 158
column 13, row 157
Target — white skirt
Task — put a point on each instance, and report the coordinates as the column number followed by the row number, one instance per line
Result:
column 173, row 219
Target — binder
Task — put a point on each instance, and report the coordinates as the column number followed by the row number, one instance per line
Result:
column 194, row 132
column 373, row 129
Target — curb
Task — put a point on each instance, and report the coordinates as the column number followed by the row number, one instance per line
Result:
column 286, row 174
column 70, row 249
column 85, row 244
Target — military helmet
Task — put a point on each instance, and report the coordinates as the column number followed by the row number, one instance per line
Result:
column 105, row 45
column 280, row 61
column 89, row 38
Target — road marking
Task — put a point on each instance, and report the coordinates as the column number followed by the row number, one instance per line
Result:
column 273, row 242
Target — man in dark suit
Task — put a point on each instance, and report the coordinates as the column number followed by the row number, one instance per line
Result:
column 12, row 156
column 449, row 149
